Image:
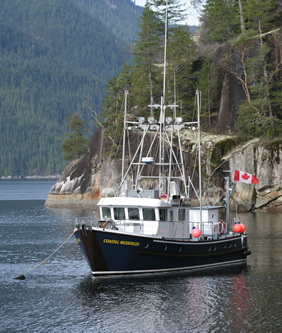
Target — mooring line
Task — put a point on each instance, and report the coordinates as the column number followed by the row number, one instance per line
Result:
column 22, row 276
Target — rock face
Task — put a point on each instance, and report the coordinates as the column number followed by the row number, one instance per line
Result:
column 87, row 179
column 263, row 160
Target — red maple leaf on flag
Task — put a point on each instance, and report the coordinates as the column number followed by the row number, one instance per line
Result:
column 245, row 176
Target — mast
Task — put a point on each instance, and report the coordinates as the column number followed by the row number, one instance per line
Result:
column 162, row 113
column 124, row 132
column 165, row 45
column 199, row 152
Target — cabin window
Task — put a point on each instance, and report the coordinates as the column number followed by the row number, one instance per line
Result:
column 162, row 214
column 149, row 214
column 181, row 214
column 119, row 214
column 106, row 212
column 133, row 213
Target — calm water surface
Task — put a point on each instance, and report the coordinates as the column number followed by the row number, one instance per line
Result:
column 63, row 297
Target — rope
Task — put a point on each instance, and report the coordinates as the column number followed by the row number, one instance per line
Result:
column 22, row 277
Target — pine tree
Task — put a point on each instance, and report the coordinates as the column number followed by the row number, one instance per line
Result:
column 180, row 56
column 175, row 11
column 75, row 143
column 146, row 69
column 113, row 110
column 207, row 84
column 220, row 20
column 260, row 14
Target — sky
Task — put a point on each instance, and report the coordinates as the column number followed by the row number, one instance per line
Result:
column 192, row 17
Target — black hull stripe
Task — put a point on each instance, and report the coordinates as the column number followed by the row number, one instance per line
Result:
column 192, row 242
column 183, row 255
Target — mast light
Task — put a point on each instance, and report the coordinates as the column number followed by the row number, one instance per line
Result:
column 178, row 120
column 141, row 120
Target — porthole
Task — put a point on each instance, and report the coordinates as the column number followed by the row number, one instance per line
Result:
column 230, row 245
column 209, row 249
column 180, row 249
column 165, row 247
column 235, row 244
column 214, row 248
column 146, row 246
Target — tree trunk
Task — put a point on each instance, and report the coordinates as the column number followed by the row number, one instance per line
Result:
column 243, row 28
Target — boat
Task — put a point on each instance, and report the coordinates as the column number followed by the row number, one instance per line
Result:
column 149, row 225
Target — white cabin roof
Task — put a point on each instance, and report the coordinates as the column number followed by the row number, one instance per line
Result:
column 132, row 202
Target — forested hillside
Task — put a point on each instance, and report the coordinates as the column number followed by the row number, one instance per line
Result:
column 235, row 60
column 56, row 58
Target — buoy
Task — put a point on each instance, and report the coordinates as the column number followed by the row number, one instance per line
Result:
column 237, row 228
column 19, row 277
column 163, row 197
column 243, row 228
column 196, row 232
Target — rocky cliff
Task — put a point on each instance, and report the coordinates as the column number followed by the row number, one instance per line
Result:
column 87, row 179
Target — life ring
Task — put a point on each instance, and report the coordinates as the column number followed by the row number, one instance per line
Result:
column 221, row 227
column 163, row 197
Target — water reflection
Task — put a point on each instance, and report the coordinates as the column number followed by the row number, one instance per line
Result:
column 186, row 301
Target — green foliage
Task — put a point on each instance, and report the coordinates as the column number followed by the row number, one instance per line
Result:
column 149, row 58
column 207, row 84
column 220, row 20
column 260, row 14
column 75, row 143
column 251, row 124
column 180, row 54
column 113, row 110
column 146, row 69
column 55, row 55
column 176, row 10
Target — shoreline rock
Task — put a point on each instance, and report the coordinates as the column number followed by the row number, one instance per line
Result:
column 86, row 180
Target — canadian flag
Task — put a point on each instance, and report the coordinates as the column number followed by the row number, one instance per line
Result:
column 241, row 176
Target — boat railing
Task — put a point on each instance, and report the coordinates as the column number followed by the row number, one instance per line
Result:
column 210, row 228
column 159, row 228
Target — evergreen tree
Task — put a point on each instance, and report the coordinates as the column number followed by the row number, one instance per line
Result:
column 259, row 78
column 113, row 109
column 75, row 144
column 175, row 11
column 147, row 70
column 220, row 20
column 180, row 56
column 207, row 84
column 260, row 14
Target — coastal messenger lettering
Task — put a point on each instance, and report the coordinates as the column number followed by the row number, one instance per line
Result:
column 129, row 243
column 111, row 241
column 115, row 241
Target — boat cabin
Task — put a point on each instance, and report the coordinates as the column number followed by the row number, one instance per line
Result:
column 159, row 218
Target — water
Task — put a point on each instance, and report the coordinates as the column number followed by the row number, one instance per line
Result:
column 63, row 297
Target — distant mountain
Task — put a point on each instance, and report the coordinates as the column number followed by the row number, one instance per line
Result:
column 54, row 56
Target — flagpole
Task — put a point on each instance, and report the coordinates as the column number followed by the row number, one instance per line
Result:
column 227, row 179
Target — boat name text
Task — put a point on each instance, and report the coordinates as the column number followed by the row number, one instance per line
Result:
column 115, row 241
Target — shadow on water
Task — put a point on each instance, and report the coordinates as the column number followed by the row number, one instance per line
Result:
column 186, row 301
column 91, row 286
